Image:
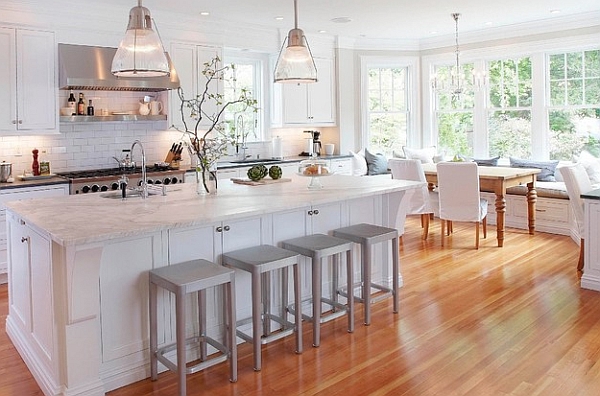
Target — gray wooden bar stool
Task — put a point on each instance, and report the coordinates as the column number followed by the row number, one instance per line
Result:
column 182, row 279
column 367, row 235
column 319, row 247
column 260, row 261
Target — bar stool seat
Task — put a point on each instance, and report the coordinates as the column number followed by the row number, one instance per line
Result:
column 182, row 279
column 260, row 261
column 367, row 235
column 319, row 247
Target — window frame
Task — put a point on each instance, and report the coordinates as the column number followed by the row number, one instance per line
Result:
column 412, row 94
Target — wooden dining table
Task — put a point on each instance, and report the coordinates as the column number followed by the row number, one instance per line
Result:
column 496, row 179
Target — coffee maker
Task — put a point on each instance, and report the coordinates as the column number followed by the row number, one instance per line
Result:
column 312, row 144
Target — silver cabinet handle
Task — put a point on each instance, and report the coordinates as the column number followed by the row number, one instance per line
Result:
column 24, row 239
column 226, row 228
column 219, row 229
column 316, row 211
column 20, row 121
column 14, row 122
column 310, row 212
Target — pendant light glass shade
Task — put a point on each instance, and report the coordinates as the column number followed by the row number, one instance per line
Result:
column 295, row 63
column 141, row 53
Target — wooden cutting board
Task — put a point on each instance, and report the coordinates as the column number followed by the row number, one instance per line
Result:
column 260, row 182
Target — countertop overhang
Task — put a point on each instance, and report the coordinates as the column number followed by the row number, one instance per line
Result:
column 82, row 219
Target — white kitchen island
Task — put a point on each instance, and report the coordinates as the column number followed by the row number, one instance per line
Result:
column 78, row 265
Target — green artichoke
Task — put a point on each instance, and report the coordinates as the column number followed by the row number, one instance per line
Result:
column 255, row 173
column 275, row 172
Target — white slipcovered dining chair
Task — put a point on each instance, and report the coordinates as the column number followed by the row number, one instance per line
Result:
column 577, row 182
column 423, row 202
column 458, row 188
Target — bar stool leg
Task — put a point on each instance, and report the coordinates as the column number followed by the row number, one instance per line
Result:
column 153, row 330
column 230, row 335
column 180, row 336
column 256, row 318
column 334, row 279
column 285, row 297
column 298, row 302
column 350, row 300
column 202, row 323
column 266, row 303
column 395, row 273
column 366, row 259
column 317, row 265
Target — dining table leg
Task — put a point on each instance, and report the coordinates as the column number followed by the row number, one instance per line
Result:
column 500, row 214
column 531, row 200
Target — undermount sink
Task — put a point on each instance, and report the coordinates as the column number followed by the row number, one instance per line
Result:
column 118, row 194
column 254, row 161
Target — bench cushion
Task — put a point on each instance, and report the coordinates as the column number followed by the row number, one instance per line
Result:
column 543, row 189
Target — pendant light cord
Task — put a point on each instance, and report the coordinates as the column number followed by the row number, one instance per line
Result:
column 295, row 14
column 457, row 51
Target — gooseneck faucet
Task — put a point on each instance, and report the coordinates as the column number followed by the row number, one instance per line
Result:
column 144, row 184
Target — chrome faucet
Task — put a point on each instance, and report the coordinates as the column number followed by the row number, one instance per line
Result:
column 239, row 128
column 144, row 184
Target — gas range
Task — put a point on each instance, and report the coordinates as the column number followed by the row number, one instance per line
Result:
column 98, row 180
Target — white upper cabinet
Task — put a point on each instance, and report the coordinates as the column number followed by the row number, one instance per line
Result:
column 188, row 60
column 28, row 79
column 310, row 104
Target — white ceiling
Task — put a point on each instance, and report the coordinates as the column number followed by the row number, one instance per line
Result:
column 381, row 19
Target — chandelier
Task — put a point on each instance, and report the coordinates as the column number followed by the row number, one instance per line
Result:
column 451, row 80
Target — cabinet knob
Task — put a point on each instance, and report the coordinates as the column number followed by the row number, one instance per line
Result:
column 20, row 121
column 219, row 229
column 310, row 212
column 316, row 211
column 24, row 239
column 14, row 121
column 226, row 228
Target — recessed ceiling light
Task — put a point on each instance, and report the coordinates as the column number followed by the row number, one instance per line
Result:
column 433, row 32
column 322, row 31
column 488, row 23
column 279, row 18
column 205, row 13
column 555, row 11
column 341, row 20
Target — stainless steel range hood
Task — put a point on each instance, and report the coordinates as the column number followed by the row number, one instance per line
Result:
column 88, row 68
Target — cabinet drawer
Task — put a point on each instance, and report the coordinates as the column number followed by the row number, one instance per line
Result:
column 545, row 210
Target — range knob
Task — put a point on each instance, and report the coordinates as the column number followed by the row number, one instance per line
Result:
column 166, row 181
column 104, row 188
column 114, row 186
column 95, row 188
column 85, row 189
column 174, row 180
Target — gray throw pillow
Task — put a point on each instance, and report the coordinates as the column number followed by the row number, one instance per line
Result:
column 487, row 162
column 377, row 164
column 547, row 167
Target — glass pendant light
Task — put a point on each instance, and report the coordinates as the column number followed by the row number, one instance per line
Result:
column 295, row 63
column 456, row 82
column 141, row 53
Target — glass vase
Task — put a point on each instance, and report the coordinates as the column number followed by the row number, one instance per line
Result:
column 206, row 181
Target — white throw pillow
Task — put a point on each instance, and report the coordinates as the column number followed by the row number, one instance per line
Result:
column 591, row 165
column 359, row 163
column 425, row 155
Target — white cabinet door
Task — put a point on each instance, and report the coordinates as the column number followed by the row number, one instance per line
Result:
column 8, row 79
column 28, row 77
column 188, row 59
column 342, row 166
column 22, row 193
column 311, row 104
column 321, row 95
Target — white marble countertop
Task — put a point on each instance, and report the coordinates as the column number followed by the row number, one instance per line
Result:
column 81, row 219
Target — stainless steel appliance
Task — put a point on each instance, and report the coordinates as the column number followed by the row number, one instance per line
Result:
column 98, row 180
column 5, row 171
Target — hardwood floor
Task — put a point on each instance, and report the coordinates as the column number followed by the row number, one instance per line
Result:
column 497, row 321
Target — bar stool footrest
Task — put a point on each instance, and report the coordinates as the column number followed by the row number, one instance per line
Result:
column 386, row 292
column 287, row 328
column 342, row 310
column 210, row 361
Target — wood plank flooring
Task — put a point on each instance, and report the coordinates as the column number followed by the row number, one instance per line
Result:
column 497, row 321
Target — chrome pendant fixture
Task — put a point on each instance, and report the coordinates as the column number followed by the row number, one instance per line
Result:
column 295, row 63
column 141, row 52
